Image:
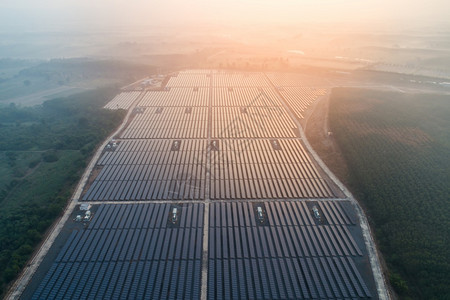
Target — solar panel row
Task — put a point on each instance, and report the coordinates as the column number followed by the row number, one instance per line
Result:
column 244, row 97
column 174, row 189
column 240, row 169
column 149, row 170
column 177, row 97
column 289, row 258
column 149, row 145
column 253, row 122
column 286, row 213
column 272, row 241
column 139, row 172
column 300, row 98
column 234, row 226
column 144, row 216
column 129, row 252
column 219, row 79
column 253, row 169
column 168, row 122
column 172, row 279
column 137, row 152
column 285, row 278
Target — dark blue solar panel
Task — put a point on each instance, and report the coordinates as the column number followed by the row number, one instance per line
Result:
column 190, row 279
column 168, row 272
column 253, row 246
column 271, row 278
column 352, row 279
column 90, row 280
column 182, row 279
column 107, row 274
column 358, row 276
column 226, row 281
column 154, row 281
column 84, row 273
column 125, row 265
column 234, row 278
column 219, row 279
column 344, row 277
column 315, row 241
column 288, row 264
column 319, row 284
column 240, row 277
column 337, row 277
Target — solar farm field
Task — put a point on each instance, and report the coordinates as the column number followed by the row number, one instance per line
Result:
column 210, row 142
column 208, row 192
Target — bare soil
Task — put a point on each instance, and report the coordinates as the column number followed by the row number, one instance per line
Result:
column 317, row 132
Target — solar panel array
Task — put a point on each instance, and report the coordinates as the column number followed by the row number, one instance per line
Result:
column 168, row 123
column 210, row 118
column 130, row 252
column 300, row 98
column 244, row 97
column 289, row 258
column 176, row 97
column 150, row 170
column 189, row 80
column 253, row 169
column 251, row 122
column 225, row 137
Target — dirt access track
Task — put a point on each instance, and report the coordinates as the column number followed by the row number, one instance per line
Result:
column 316, row 127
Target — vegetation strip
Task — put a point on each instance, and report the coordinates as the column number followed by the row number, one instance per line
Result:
column 396, row 147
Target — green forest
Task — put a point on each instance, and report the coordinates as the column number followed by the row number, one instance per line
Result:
column 397, row 146
column 43, row 152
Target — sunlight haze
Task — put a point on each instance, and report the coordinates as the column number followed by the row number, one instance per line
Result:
column 83, row 14
column 224, row 149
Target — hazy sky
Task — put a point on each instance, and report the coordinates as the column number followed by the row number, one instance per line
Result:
column 86, row 14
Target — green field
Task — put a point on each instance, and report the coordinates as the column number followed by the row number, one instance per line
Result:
column 43, row 152
column 397, row 146
column 31, row 82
